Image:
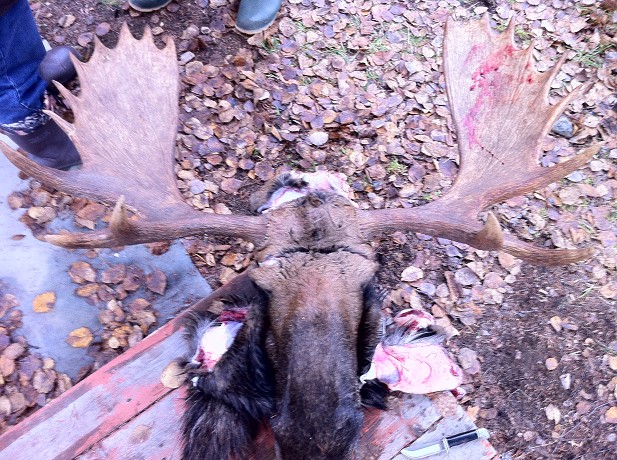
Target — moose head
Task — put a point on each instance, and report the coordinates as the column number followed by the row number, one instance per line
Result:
column 311, row 311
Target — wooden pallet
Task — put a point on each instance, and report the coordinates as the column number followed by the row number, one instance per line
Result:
column 123, row 411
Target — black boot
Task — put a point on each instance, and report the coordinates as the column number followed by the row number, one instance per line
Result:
column 47, row 145
column 256, row 15
column 57, row 65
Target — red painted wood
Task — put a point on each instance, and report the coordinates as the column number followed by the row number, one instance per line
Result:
column 153, row 434
column 454, row 421
column 96, row 406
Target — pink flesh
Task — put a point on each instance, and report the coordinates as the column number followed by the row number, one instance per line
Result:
column 415, row 367
column 416, row 370
column 413, row 320
column 318, row 181
column 214, row 342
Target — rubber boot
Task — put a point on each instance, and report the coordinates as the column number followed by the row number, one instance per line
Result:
column 145, row 6
column 57, row 65
column 48, row 145
column 256, row 15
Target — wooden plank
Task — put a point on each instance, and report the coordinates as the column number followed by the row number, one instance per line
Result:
column 384, row 434
column 455, row 421
column 153, row 434
column 95, row 407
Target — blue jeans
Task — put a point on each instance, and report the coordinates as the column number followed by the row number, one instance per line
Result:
column 21, row 52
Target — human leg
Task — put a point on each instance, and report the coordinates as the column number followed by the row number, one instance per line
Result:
column 22, row 91
column 21, row 51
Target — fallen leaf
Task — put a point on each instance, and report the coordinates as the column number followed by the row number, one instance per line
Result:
column 7, row 301
column 157, row 281
column 91, row 212
column 87, row 290
column 173, row 375
column 81, row 272
column 611, row 415
column 551, row 364
column 85, row 39
column 14, row 351
column 5, row 406
column 44, row 302
column 113, row 275
column 411, row 274
column 42, row 214
column 7, row 366
column 553, row 413
column 138, row 305
column 80, row 337
column 18, row 402
column 133, row 278
column 140, row 434
column 66, row 21
column 43, row 381
column 469, row 361
column 158, row 248
column 556, row 323
column 102, row 29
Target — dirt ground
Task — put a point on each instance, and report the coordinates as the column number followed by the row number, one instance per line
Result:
column 539, row 345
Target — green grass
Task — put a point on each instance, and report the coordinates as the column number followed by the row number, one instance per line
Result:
column 414, row 40
column 379, row 43
column 300, row 27
column 272, row 76
column 594, row 57
column 394, row 167
column 522, row 34
column 612, row 216
column 430, row 196
column 271, row 45
column 372, row 76
column 342, row 51
column 111, row 3
column 355, row 20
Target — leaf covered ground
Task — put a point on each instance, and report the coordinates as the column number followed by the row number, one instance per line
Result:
column 357, row 87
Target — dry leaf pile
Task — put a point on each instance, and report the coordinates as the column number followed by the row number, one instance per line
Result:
column 27, row 380
column 356, row 86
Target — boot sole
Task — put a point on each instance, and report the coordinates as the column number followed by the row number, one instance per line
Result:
column 149, row 10
column 256, row 31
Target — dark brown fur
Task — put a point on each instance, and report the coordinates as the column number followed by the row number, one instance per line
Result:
column 307, row 339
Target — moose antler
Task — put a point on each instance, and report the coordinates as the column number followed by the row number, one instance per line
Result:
column 499, row 105
column 125, row 129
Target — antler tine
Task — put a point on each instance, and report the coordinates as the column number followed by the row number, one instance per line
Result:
column 124, row 231
column 431, row 219
column 540, row 256
column 64, row 125
column 499, row 105
column 125, row 130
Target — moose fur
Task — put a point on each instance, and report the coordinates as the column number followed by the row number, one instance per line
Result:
column 310, row 332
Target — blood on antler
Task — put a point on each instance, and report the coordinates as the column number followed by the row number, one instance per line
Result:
column 125, row 128
column 499, row 105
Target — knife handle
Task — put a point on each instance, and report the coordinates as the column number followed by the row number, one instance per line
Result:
column 467, row 436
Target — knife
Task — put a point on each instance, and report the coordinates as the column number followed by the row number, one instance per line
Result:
column 445, row 444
